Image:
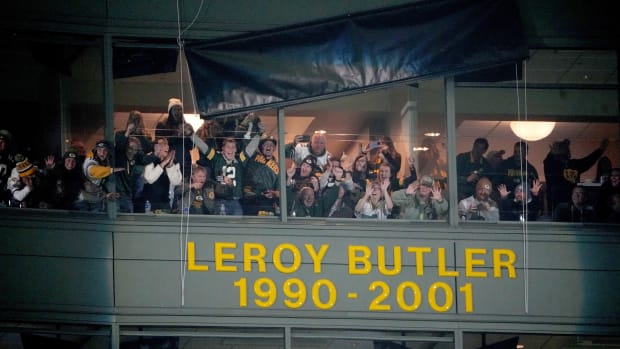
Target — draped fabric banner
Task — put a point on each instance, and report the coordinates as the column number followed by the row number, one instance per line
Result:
column 283, row 67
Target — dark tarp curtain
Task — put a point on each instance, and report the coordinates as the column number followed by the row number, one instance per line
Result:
column 424, row 39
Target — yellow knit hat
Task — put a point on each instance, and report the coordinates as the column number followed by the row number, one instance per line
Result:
column 24, row 167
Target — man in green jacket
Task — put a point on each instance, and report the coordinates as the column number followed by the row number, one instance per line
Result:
column 421, row 200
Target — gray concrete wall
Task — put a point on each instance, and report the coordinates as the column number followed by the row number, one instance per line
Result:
column 131, row 271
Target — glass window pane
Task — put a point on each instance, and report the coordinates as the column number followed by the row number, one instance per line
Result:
column 220, row 175
column 486, row 340
column 57, row 81
column 206, row 337
column 582, row 114
column 360, row 339
column 337, row 149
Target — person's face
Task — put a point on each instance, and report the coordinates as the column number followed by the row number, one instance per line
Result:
column 338, row 172
column 307, row 197
column 375, row 191
column 198, row 179
column 520, row 195
column 564, row 151
column 318, row 143
column 384, row 172
column 70, row 163
column 162, row 151
column 614, row 178
column 495, row 160
column 133, row 149
column 229, row 149
column 520, row 151
column 177, row 112
column 480, row 149
column 305, row 170
column 102, row 153
column 268, row 149
column 361, row 164
column 27, row 180
column 482, row 193
column 424, row 191
column 579, row 196
column 135, row 119
column 384, row 145
column 2, row 144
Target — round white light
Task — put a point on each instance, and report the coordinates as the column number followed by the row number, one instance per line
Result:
column 532, row 130
column 194, row 119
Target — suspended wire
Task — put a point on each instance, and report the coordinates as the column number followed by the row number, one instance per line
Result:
column 525, row 230
column 193, row 20
column 181, row 244
column 183, row 234
column 524, row 183
column 184, row 222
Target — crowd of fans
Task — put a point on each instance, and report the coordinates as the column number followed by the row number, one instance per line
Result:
column 238, row 174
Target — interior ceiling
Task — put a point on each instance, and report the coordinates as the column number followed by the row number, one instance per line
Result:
column 572, row 67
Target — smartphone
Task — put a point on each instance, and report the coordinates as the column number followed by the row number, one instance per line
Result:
column 374, row 145
column 305, row 138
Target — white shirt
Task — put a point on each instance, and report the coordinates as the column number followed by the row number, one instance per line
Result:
column 303, row 149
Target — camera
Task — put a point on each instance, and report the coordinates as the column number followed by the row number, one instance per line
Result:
column 305, row 138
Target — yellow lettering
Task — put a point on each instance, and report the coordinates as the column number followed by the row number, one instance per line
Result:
column 277, row 260
column 191, row 258
column 498, row 263
column 441, row 264
column 317, row 258
column 220, row 256
column 355, row 259
column 419, row 258
column 470, row 262
column 258, row 257
column 381, row 261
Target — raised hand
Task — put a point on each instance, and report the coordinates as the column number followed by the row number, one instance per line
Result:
column 290, row 172
column 130, row 128
column 188, row 130
column 412, row 188
column 27, row 181
column 503, row 191
column 50, row 162
column 315, row 183
column 368, row 189
column 536, row 185
column 168, row 161
column 436, row 193
column 384, row 185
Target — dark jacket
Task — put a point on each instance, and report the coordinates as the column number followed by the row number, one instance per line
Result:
column 562, row 175
column 511, row 210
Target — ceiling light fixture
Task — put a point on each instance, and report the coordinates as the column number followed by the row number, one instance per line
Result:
column 432, row 134
column 420, row 148
column 532, row 130
column 194, row 119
